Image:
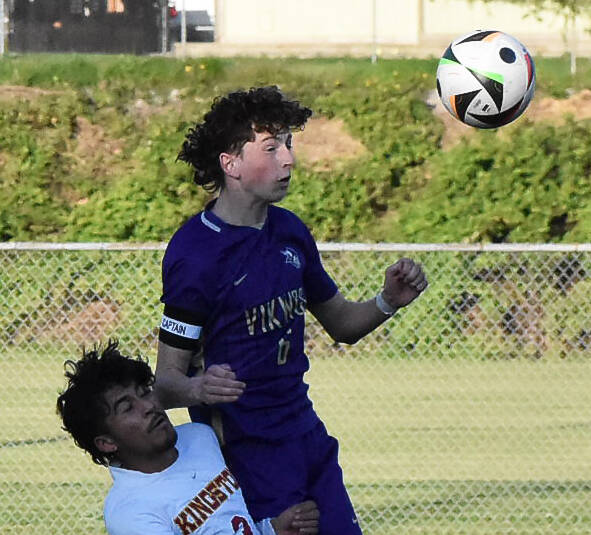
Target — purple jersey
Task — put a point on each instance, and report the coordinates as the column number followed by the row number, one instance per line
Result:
column 243, row 292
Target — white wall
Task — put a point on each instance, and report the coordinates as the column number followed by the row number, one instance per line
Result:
column 317, row 21
column 457, row 16
column 454, row 17
column 414, row 23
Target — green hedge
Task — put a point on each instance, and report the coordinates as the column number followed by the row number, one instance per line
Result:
column 531, row 184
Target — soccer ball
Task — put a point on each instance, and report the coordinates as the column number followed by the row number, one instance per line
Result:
column 486, row 78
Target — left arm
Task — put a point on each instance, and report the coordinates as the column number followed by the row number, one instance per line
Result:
column 349, row 321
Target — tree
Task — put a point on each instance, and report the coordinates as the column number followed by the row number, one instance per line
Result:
column 568, row 9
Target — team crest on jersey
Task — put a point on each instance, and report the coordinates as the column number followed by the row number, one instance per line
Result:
column 291, row 257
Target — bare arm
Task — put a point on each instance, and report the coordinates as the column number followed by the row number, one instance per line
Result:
column 174, row 389
column 348, row 321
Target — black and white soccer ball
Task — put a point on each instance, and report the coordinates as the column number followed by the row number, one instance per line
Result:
column 486, row 78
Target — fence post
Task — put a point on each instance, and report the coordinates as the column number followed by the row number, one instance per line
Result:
column 374, row 32
column 164, row 17
column 184, row 28
column 2, row 27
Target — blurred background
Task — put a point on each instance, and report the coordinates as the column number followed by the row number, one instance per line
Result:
column 330, row 27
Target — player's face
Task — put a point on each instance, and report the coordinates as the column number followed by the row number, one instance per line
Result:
column 136, row 424
column 264, row 166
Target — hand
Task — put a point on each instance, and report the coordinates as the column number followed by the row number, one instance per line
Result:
column 297, row 520
column 219, row 385
column 403, row 283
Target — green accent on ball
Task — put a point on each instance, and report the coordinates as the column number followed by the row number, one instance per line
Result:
column 492, row 75
column 445, row 61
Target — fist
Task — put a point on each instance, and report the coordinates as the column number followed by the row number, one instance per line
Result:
column 404, row 282
column 219, row 385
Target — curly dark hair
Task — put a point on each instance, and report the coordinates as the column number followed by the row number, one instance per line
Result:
column 82, row 405
column 231, row 122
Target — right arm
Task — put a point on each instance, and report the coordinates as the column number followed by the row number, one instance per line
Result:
column 186, row 308
column 174, row 388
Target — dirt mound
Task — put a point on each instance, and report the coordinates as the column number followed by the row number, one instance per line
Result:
column 21, row 92
column 551, row 109
column 94, row 322
column 544, row 109
column 455, row 130
column 92, row 140
column 324, row 142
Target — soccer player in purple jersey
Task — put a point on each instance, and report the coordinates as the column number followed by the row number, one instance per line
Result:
column 238, row 278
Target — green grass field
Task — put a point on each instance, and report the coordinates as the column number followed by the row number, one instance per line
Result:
column 426, row 446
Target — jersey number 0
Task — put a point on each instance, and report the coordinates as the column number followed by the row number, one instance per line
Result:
column 283, row 349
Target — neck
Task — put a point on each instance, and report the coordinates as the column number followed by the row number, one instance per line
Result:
column 152, row 464
column 235, row 210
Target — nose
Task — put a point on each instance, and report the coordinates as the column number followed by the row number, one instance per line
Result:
column 149, row 403
column 287, row 157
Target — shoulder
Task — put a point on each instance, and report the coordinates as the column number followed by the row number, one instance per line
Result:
column 190, row 232
column 289, row 227
column 279, row 213
column 200, row 437
column 192, row 430
column 192, row 247
column 288, row 222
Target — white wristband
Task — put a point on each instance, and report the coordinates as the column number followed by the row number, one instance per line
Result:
column 384, row 306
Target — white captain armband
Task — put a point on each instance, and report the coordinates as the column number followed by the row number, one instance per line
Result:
column 179, row 328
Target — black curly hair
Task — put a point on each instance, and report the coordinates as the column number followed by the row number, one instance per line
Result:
column 82, row 405
column 231, row 122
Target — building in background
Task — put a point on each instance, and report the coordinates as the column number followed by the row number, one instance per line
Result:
column 107, row 26
column 389, row 28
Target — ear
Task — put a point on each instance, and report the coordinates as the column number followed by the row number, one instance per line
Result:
column 230, row 164
column 105, row 443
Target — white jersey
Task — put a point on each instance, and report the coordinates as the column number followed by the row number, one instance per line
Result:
column 196, row 495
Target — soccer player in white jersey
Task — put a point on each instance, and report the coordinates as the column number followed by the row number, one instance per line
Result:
column 166, row 480
column 238, row 278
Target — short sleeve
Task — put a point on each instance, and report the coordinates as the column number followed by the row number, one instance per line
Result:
column 186, row 307
column 318, row 284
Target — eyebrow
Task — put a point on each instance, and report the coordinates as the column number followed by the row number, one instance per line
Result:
column 277, row 137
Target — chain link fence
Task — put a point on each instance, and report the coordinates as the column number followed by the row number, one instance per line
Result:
column 468, row 412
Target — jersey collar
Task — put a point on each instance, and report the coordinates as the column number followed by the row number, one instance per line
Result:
column 213, row 222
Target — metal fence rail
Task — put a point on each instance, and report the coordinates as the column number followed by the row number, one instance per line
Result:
column 466, row 413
